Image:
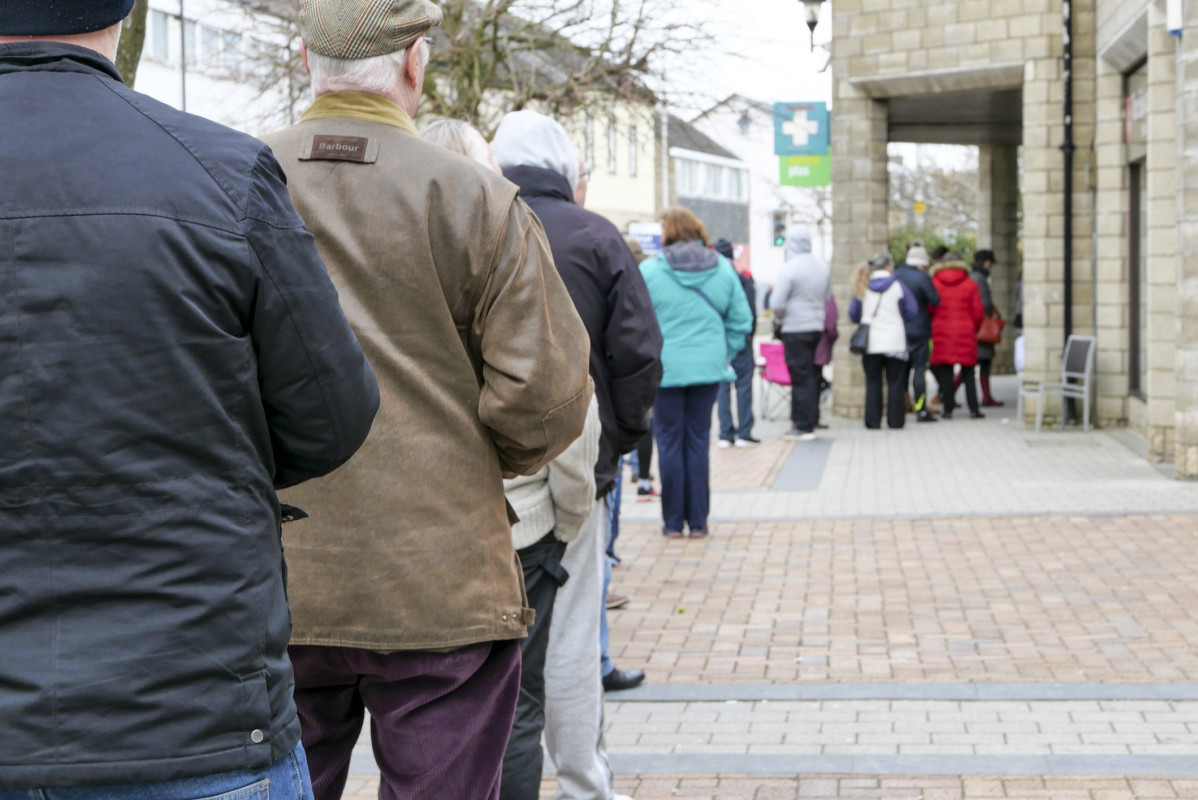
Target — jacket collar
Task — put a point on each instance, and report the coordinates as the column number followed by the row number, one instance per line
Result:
column 360, row 105
column 539, row 182
column 42, row 56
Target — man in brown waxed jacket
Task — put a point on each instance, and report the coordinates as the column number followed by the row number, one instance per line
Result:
column 406, row 593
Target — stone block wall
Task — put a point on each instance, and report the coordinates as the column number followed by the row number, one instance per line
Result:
column 1186, row 348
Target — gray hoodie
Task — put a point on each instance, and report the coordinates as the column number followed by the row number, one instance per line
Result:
column 803, row 286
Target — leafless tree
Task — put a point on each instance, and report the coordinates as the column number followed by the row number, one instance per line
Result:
column 949, row 194
column 133, row 38
column 493, row 56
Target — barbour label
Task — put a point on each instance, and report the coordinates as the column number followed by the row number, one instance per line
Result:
column 340, row 148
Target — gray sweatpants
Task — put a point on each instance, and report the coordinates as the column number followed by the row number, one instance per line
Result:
column 573, row 686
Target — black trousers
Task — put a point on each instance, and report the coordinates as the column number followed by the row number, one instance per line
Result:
column 944, row 378
column 917, row 368
column 894, row 371
column 799, row 349
column 523, row 759
column 644, row 453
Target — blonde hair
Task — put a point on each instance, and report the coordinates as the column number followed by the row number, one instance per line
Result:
column 459, row 137
column 679, row 224
column 861, row 281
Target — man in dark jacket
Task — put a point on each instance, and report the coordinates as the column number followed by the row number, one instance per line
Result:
column 913, row 274
column 740, row 434
column 607, row 289
column 171, row 352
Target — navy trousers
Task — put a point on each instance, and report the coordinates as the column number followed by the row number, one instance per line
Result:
column 682, row 424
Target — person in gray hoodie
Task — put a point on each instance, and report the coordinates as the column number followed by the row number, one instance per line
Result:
column 798, row 304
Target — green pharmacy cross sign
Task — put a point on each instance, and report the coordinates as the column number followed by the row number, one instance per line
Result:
column 805, row 171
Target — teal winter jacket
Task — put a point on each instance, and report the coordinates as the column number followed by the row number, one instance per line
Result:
column 701, row 310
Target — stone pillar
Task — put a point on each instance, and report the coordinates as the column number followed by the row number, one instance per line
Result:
column 1044, row 207
column 1186, row 359
column 1112, row 206
column 1162, row 245
column 860, row 185
column 998, row 229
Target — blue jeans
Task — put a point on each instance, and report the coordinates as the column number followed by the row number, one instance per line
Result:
column 286, row 779
column 682, row 423
column 605, row 665
column 743, row 364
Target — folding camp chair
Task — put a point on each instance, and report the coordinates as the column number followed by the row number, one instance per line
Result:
column 774, row 380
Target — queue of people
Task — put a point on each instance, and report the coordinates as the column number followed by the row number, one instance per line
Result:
column 420, row 352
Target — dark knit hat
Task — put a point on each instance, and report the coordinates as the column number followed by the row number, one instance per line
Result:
column 60, row 17
column 724, row 248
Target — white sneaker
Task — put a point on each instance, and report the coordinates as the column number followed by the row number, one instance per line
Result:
column 750, row 442
column 807, row 437
column 724, row 443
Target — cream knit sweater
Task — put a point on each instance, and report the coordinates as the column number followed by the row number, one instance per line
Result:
column 561, row 496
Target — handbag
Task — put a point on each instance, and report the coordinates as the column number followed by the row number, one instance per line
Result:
column 859, row 344
column 991, row 330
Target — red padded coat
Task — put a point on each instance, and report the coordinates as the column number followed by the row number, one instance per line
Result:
column 956, row 320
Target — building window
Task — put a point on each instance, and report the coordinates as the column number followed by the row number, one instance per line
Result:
column 736, row 184
column 209, row 47
column 160, row 36
column 189, row 42
column 632, row 150
column 588, row 145
column 611, row 147
column 686, row 177
column 1137, row 323
column 715, row 181
column 230, row 54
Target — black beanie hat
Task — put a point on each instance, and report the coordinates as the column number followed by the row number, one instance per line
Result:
column 60, row 17
column 724, row 248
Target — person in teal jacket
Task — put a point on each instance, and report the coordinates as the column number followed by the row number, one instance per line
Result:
column 704, row 319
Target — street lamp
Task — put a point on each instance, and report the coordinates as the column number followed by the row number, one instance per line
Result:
column 811, row 9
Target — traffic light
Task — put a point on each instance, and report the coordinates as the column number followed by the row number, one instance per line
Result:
column 779, row 227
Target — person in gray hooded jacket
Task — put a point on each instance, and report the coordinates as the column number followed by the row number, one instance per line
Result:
column 798, row 303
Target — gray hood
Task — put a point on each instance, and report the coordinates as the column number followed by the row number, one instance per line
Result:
column 798, row 242
column 691, row 263
column 529, row 139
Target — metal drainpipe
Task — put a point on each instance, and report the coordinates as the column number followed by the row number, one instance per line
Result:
column 1068, row 149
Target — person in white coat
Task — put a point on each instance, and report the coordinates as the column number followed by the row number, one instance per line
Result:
column 884, row 304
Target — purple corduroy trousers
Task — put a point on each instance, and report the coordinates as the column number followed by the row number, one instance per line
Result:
column 439, row 722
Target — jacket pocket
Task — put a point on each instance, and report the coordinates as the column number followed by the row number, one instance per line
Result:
column 256, row 720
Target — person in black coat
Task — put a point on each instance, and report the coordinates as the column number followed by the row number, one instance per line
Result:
column 605, row 283
column 913, row 274
column 740, row 433
column 172, row 351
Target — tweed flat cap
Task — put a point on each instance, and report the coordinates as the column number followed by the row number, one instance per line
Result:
column 364, row 28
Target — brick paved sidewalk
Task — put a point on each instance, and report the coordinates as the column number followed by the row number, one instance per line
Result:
column 1070, row 599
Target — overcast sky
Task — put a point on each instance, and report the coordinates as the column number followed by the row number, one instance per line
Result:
column 766, row 54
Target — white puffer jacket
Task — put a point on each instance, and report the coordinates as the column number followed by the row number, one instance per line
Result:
column 886, row 305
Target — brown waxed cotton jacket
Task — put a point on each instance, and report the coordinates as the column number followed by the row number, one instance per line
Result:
column 449, row 284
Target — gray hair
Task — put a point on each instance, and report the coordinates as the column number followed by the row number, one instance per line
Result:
column 374, row 75
column 459, row 137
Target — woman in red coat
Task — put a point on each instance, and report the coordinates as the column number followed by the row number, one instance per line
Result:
column 955, row 324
